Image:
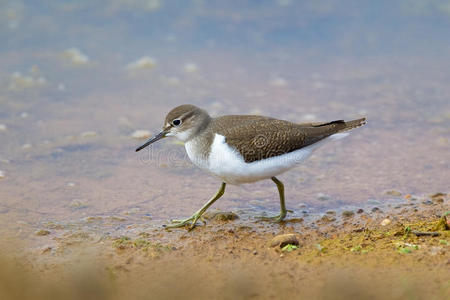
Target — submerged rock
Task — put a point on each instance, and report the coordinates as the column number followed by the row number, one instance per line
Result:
column 42, row 232
column 348, row 213
column 438, row 197
column 220, row 216
column 88, row 134
column 323, row 197
column 145, row 62
column 327, row 219
column 76, row 57
column 279, row 81
column 393, row 193
column 190, row 68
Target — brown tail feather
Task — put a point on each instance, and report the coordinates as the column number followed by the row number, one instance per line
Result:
column 340, row 123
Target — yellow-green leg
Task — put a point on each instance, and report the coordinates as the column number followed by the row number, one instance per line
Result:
column 193, row 219
column 283, row 210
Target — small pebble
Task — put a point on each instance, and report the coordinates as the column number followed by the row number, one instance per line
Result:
column 24, row 115
column 78, row 203
column 26, row 146
column 145, row 62
column 220, row 216
column 76, row 57
column 173, row 81
column 88, row 134
column 70, row 184
column 2, row 174
column 348, row 213
column 385, row 222
column 376, row 209
column 46, row 249
column 283, row 240
column 280, row 82
column 190, row 68
column 373, row 202
column 393, row 193
column 427, row 202
column 322, row 197
column 42, row 232
column 141, row 134
column 360, row 211
column 327, row 219
column 2, row 127
column 438, row 197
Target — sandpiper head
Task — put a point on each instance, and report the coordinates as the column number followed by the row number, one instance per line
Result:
column 182, row 122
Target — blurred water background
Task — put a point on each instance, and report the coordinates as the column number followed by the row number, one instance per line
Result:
column 78, row 78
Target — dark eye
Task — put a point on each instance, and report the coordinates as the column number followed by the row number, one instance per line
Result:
column 176, row 122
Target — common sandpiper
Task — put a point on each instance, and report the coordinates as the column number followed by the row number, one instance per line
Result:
column 245, row 148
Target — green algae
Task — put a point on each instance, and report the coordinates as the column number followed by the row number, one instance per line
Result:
column 289, row 248
column 383, row 242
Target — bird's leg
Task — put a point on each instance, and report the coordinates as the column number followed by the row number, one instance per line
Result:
column 193, row 219
column 283, row 210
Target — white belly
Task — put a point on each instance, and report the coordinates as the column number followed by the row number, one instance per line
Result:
column 228, row 164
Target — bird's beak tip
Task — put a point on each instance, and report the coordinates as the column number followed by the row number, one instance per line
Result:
column 153, row 139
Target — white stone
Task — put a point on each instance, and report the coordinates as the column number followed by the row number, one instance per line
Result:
column 141, row 134
column 385, row 222
column 322, row 197
column 145, row 62
column 190, row 67
column 280, row 82
column 76, row 57
column 88, row 134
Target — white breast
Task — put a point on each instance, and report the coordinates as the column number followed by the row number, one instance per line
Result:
column 228, row 164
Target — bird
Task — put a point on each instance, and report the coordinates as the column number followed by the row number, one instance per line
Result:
column 241, row 149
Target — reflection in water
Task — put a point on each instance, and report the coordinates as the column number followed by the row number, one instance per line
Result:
column 78, row 78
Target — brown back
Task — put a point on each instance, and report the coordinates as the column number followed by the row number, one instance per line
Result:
column 258, row 137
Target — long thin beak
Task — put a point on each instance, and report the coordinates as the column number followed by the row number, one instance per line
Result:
column 153, row 139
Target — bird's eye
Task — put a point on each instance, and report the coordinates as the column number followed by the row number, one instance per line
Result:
column 176, row 122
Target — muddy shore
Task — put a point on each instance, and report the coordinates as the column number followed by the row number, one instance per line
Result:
column 365, row 255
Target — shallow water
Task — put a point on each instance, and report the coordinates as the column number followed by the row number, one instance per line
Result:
column 66, row 149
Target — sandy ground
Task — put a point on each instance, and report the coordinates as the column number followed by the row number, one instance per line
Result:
column 366, row 255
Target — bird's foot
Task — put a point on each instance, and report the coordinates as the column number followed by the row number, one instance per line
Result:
column 191, row 221
column 276, row 219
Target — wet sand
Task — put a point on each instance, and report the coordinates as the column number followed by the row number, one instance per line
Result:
column 337, row 256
